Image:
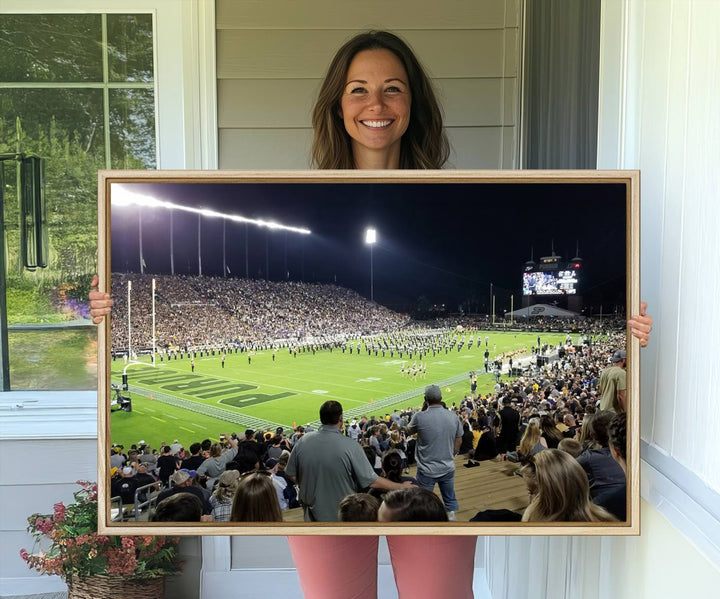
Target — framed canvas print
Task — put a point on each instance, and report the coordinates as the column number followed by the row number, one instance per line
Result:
column 367, row 352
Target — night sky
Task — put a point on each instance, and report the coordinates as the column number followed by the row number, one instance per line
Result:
column 447, row 241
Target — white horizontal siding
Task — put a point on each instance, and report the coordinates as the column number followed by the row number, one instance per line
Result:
column 344, row 14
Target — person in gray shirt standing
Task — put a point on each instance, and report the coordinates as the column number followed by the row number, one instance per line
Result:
column 439, row 434
column 328, row 466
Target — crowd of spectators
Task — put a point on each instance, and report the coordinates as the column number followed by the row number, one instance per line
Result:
column 531, row 419
column 240, row 311
column 553, row 404
column 256, row 313
column 590, row 326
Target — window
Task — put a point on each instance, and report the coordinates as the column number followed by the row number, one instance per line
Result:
column 77, row 90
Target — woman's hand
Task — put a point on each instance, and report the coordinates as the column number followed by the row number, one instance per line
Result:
column 640, row 325
column 100, row 303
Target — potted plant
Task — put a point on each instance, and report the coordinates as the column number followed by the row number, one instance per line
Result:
column 67, row 544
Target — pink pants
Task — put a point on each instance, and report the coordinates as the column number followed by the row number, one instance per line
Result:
column 346, row 567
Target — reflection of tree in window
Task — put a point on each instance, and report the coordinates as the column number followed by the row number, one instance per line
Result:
column 77, row 90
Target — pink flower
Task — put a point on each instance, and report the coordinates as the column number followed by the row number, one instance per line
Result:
column 24, row 555
column 59, row 512
column 121, row 562
column 128, row 542
column 43, row 526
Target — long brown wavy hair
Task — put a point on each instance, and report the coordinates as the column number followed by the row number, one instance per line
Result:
column 424, row 144
column 560, row 490
column 256, row 499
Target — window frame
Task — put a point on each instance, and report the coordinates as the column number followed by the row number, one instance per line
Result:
column 186, row 138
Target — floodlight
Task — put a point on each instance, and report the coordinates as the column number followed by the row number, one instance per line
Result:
column 370, row 239
column 125, row 197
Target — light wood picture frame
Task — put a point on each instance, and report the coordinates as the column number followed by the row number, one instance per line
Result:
column 500, row 212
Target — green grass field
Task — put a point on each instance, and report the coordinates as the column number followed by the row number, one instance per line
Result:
column 288, row 390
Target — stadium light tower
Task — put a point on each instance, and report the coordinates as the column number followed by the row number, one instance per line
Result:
column 371, row 239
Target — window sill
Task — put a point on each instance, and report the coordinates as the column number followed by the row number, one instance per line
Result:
column 48, row 415
column 681, row 496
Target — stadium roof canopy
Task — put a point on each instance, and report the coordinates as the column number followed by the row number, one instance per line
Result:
column 544, row 311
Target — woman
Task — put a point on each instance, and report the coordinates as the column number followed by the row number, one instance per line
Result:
column 377, row 110
column 362, row 119
column 532, row 441
column 603, row 471
column 550, row 434
column 559, row 490
column 256, row 499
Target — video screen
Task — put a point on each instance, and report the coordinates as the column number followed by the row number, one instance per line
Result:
column 560, row 282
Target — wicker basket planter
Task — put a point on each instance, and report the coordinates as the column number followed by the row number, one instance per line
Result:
column 116, row 587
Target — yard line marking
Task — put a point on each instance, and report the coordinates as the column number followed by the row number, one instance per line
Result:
column 187, row 429
column 173, row 417
column 160, row 419
column 198, row 425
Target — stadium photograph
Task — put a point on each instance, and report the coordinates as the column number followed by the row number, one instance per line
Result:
column 244, row 307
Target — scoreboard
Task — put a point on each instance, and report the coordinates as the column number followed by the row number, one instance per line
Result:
column 552, row 277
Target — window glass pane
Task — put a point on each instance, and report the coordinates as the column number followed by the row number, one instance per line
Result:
column 130, row 47
column 132, row 128
column 53, row 359
column 36, row 48
column 52, row 343
column 65, row 128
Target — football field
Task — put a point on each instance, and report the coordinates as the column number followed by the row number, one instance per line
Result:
column 170, row 401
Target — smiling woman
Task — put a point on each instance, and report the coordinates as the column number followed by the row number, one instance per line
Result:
column 375, row 108
column 363, row 108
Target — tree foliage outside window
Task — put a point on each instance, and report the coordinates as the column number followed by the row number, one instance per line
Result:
column 78, row 91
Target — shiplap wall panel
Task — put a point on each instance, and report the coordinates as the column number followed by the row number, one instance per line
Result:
column 510, row 142
column 676, row 77
column 258, row 103
column 475, row 147
column 278, row 103
column 15, row 469
column 36, row 474
column 378, row 14
column 460, row 99
column 265, row 148
column 13, row 515
column 512, row 13
column 510, row 101
column 699, row 363
column 653, row 150
column 511, row 41
column 671, row 23
column 254, row 54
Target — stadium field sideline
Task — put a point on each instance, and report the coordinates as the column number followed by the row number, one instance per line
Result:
column 171, row 402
